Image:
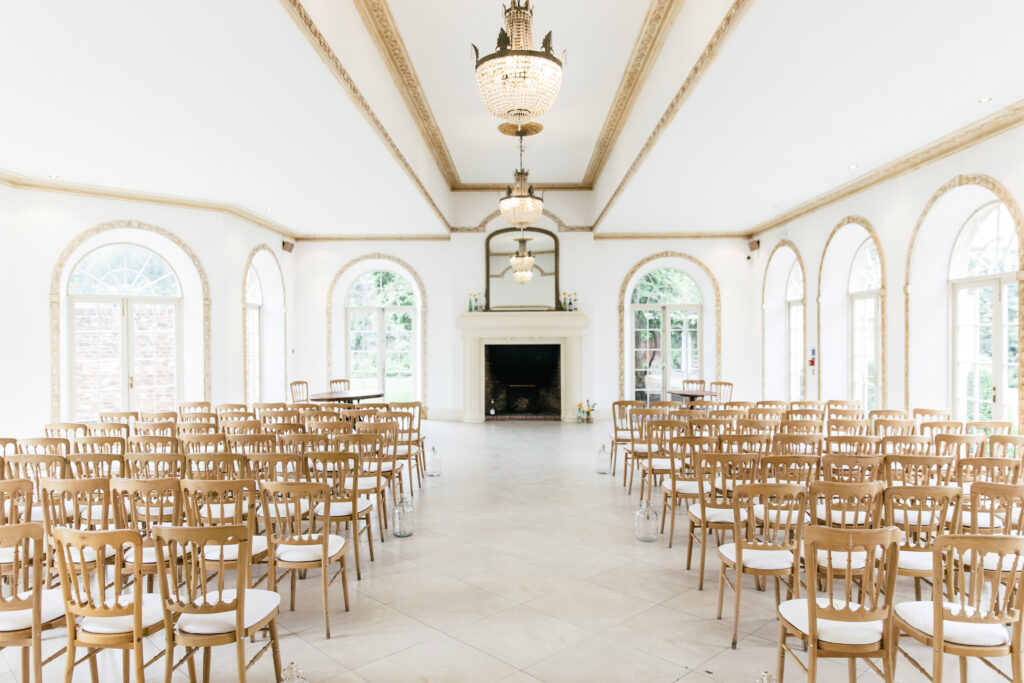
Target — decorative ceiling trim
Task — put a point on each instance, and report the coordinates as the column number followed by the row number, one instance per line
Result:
column 500, row 187
column 660, row 17
column 700, row 67
column 323, row 48
column 381, row 25
column 376, row 238
column 959, row 140
column 667, row 235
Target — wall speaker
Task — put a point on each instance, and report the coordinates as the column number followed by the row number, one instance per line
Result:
column 287, row 246
column 754, row 245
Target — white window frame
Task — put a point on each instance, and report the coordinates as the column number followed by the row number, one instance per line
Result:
column 381, row 315
column 126, row 304
column 853, row 297
column 666, row 310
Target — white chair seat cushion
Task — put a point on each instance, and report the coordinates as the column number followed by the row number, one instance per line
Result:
column 7, row 554
column 986, row 520
column 51, row 606
column 843, row 517
column 403, row 450
column 367, row 482
column 919, row 561
column 857, row 559
column 715, row 515
column 257, row 546
column 344, row 509
column 289, row 508
column 259, row 604
column 148, row 555
column 920, row 615
column 776, row 516
column 658, row 464
column 310, row 553
column 759, row 559
column 152, row 613
column 991, row 560
column 384, row 466
column 840, row 632
column 911, row 517
column 644, row 448
column 683, row 487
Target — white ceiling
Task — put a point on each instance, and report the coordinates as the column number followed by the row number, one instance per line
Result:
column 228, row 101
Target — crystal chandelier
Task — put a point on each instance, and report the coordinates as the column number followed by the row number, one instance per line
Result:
column 520, row 207
column 522, row 261
column 517, row 83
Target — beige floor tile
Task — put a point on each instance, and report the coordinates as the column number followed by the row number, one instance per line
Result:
column 442, row 660
column 520, row 581
column 589, row 605
column 374, row 634
column 464, row 560
column 451, row 605
column 603, row 659
column 520, row 636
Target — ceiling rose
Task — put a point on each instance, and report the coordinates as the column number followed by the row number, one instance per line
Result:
column 517, row 83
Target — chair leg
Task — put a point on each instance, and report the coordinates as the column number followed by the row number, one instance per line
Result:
column 369, row 533
column 275, row 650
column 344, row 580
column 780, row 657
column 703, row 557
column 737, row 591
column 324, row 579
column 812, row 664
column 937, row 662
column 206, row 665
column 672, row 523
column 355, row 542
column 169, row 653
column 140, row 662
column 1015, row 665
column 69, row 658
column 963, row 670
column 851, row 669
column 689, row 546
column 37, row 657
column 126, row 666
column 94, row 674
column 294, row 574
column 26, row 666
column 240, row 657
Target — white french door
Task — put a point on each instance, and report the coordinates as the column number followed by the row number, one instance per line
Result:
column 985, row 349
column 381, row 350
column 126, row 354
column 666, row 348
column 865, row 350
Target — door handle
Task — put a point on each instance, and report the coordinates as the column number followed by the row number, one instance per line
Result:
column 131, row 382
column 994, row 394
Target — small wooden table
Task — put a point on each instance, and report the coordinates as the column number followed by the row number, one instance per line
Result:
column 345, row 396
column 690, row 395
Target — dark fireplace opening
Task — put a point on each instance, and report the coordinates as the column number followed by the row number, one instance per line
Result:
column 522, row 381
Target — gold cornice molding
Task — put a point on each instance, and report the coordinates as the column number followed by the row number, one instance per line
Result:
column 668, row 235
column 959, row 140
column 700, row 67
column 381, row 26
column 326, row 53
column 660, row 17
column 500, row 187
column 377, row 238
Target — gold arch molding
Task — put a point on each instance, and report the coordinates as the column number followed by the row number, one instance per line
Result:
column 1000, row 191
column 764, row 282
column 284, row 317
column 423, row 313
column 873, row 235
column 622, row 310
column 55, row 297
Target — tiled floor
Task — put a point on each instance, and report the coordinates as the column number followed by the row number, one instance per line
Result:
column 523, row 567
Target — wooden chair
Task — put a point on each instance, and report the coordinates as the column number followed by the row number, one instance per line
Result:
column 299, row 391
column 118, row 416
column 846, row 505
column 989, row 428
column 852, row 445
column 198, row 616
column 801, row 427
column 222, row 408
column 262, row 408
column 8, row 446
column 667, row 405
column 851, row 616
column 712, row 426
column 976, row 606
column 853, row 468
column 339, row 385
column 153, row 444
column 982, row 515
column 1006, row 446
column 143, row 505
column 221, row 502
column 279, row 429
column 639, row 441
column 756, row 425
column 807, row 414
column 275, row 466
column 26, row 608
column 192, row 420
column 836, row 404
column 693, row 385
column 745, row 406
column 65, row 430
column 300, row 444
column 240, row 427
column 682, row 486
column 187, row 407
column 95, row 619
column 35, row 468
column 920, row 415
column 884, row 427
column 300, row 542
column 848, row 428
column 246, row 444
column 80, row 504
column 341, row 472
column 204, row 443
column 93, row 465
column 767, row 412
column 919, row 470
column 718, row 475
column 44, row 446
column 744, row 443
column 154, row 465
column 656, row 466
column 774, row 405
column 887, row 414
column 817, row 406
column 936, row 428
column 845, row 414
column 798, row 444
column 996, row 507
column 959, row 445
column 16, row 499
column 383, row 461
column 167, row 428
column 763, row 549
column 723, row 391
column 215, row 466
column 119, row 429
column 922, row 514
column 100, row 444
column 789, row 469
column 159, row 416
column 907, row 445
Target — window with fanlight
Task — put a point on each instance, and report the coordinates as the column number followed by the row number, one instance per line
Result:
column 253, row 336
column 124, row 310
column 380, row 335
column 983, row 278
column 795, row 333
column 865, row 326
column 666, row 311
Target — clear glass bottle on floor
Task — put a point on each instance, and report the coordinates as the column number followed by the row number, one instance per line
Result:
column 292, row 674
column 603, row 464
column 646, row 521
column 405, row 516
column 433, row 462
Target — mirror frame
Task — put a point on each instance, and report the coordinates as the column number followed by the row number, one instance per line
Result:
column 556, row 304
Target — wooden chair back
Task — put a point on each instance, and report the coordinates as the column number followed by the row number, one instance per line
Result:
column 153, row 444
column 100, row 444
column 246, row 444
column 790, row 469
column 81, row 504
column 844, row 444
column 16, row 496
column 853, row 468
column 204, row 443
column 276, row 466
column 154, row 465
column 919, row 470
column 215, row 466
column 907, row 445
column 93, row 465
column 798, row 444
column 299, row 391
column 848, row 505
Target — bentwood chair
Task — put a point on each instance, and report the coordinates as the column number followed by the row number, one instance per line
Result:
column 1006, row 446
column 768, row 548
column 153, row 444
column 681, row 485
column 143, row 505
column 97, row 619
column 220, row 502
column 154, row 465
column 299, row 542
column 245, row 444
column 976, row 605
column 851, row 615
column 655, row 467
column 723, row 391
column 339, row 385
column 215, row 466
column 299, row 391
column 336, row 470
column 26, row 608
column 922, row 514
column 200, row 616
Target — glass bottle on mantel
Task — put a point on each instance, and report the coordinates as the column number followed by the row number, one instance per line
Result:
column 603, row 464
column 433, row 462
column 646, row 521
column 405, row 516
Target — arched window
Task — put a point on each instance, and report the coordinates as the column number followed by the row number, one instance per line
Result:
column 253, row 336
column 983, row 275
column 380, row 323
column 795, row 333
column 666, row 310
column 125, row 316
column 865, row 336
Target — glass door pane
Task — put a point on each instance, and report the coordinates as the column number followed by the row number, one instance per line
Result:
column 1008, row 392
column 153, row 362
column 974, row 351
column 678, row 349
column 647, row 360
column 796, row 351
column 399, row 360
column 864, row 351
column 97, row 352
column 363, row 340
column 253, row 354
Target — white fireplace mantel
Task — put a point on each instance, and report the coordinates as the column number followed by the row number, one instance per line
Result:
column 521, row 327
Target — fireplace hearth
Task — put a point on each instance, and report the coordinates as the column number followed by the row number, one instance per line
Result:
column 522, row 381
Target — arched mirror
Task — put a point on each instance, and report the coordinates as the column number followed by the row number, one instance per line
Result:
column 514, row 282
